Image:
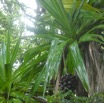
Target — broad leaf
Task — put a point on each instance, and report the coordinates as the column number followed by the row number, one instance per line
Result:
column 79, row 65
column 52, row 63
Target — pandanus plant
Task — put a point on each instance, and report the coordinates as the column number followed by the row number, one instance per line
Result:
column 69, row 27
column 16, row 79
column 64, row 33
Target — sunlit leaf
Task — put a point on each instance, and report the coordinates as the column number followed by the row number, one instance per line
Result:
column 56, row 9
column 8, row 49
column 52, row 63
column 15, row 51
column 79, row 65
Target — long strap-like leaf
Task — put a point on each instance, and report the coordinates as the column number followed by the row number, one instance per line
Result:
column 79, row 65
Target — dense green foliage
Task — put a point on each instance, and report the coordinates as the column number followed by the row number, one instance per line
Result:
column 60, row 28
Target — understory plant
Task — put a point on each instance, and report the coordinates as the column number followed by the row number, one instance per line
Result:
column 70, row 28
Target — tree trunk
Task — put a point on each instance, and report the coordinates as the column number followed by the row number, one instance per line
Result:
column 80, row 91
column 94, row 61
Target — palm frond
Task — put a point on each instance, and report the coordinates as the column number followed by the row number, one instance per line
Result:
column 79, row 65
